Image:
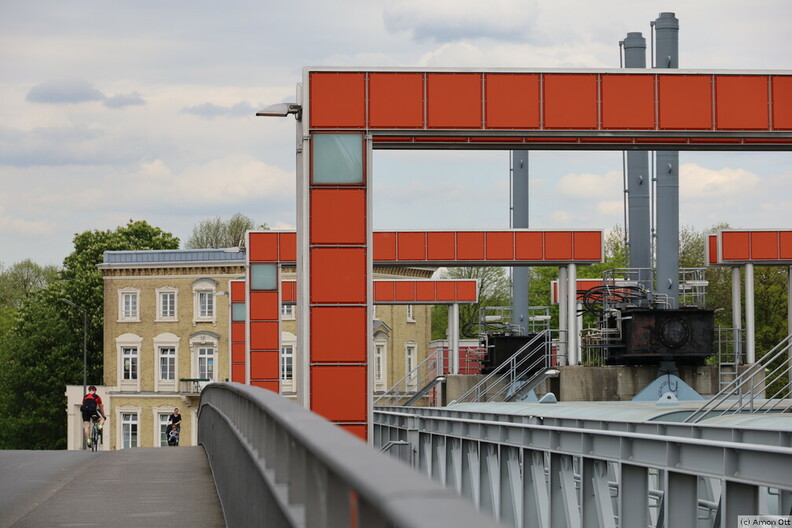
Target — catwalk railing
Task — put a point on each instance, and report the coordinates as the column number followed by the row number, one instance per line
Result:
column 524, row 472
column 276, row 464
column 762, row 388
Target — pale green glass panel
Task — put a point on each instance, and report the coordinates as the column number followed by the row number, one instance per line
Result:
column 238, row 312
column 337, row 158
column 263, row 277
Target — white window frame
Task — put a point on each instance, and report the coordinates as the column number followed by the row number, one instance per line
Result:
column 204, row 287
column 121, row 423
column 287, row 357
column 380, row 364
column 123, row 295
column 167, row 290
column 410, row 362
column 287, row 312
column 123, row 342
column 166, row 340
column 410, row 313
column 204, row 341
column 289, row 388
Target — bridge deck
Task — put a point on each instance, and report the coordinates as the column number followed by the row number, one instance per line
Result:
column 152, row 487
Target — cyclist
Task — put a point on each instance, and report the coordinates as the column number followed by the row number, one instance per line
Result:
column 92, row 408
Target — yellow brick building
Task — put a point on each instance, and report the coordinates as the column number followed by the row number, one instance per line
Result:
column 166, row 324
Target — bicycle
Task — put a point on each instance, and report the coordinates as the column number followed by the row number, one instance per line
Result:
column 96, row 435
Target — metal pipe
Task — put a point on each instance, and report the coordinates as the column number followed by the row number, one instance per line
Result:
column 572, row 313
column 563, row 318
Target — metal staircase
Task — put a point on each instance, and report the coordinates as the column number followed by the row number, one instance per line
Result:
column 746, row 394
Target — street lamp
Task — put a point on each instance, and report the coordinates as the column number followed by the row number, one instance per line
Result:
column 85, row 342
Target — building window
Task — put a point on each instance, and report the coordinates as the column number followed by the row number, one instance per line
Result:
column 287, row 311
column 204, row 299
column 163, row 428
column 166, row 304
column 379, row 366
column 287, row 364
column 130, row 363
column 206, row 362
column 167, row 363
column 410, row 363
column 129, row 430
column 410, row 314
column 128, row 305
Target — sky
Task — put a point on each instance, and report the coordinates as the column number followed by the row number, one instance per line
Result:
column 144, row 110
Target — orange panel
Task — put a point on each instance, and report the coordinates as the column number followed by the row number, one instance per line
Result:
column 237, row 291
column 558, row 245
column 263, row 247
column 466, row 291
column 237, row 332
column 453, row 100
column 446, row 291
column 588, row 245
column 570, row 101
column 288, row 291
column 274, row 386
column 685, row 102
column 383, row 291
column 337, row 100
column 782, row 102
column 264, row 306
column 441, row 246
column 338, row 334
column 425, row 291
column 238, row 353
column 405, row 290
column 412, row 246
column 512, row 100
column 264, row 365
column 785, row 245
column 470, row 246
column 396, row 100
column 264, row 335
column 238, row 373
column 361, row 431
column 734, row 245
column 338, row 216
column 529, row 246
column 347, row 405
column 712, row 241
column 764, row 245
column 500, row 246
column 628, row 101
column 741, row 102
column 338, row 275
column 288, row 247
column 384, row 246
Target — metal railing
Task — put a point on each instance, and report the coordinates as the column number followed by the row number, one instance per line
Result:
column 277, row 464
column 521, row 367
column 436, row 364
column 745, row 393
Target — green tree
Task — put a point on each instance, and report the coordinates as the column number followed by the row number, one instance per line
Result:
column 218, row 233
column 494, row 290
column 16, row 283
column 43, row 350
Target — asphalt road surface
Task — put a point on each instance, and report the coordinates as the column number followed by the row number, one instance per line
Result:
column 148, row 487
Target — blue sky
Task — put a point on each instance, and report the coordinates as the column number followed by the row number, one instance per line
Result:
column 111, row 111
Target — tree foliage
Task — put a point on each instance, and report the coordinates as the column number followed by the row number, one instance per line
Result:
column 218, row 233
column 494, row 290
column 42, row 351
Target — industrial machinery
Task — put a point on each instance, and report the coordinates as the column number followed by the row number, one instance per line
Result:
column 637, row 327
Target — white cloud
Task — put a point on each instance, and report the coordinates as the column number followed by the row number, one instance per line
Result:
column 25, row 228
column 589, row 187
column 701, row 183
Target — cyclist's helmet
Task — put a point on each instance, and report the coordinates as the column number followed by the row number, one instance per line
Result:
column 92, row 388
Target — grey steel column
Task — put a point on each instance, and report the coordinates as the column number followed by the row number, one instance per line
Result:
column 521, row 281
column 737, row 313
column 563, row 318
column 750, row 321
column 638, row 180
column 453, row 338
column 303, row 268
column 573, row 350
column 633, row 496
column 667, row 173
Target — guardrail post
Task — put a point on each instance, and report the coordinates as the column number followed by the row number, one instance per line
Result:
column 564, row 511
column 739, row 499
column 597, row 503
column 681, row 500
column 633, row 496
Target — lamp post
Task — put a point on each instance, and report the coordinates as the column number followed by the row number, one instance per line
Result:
column 85, row 342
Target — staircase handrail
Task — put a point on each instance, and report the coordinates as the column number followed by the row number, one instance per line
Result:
column 413, row 374
column 505, row 366
column 734, row 388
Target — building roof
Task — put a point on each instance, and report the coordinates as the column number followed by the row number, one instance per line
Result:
column 171, row 256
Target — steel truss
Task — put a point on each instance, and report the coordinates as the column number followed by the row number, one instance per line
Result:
column 526, row 473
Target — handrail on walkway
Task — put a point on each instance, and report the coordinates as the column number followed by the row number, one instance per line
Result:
column 277, row 464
